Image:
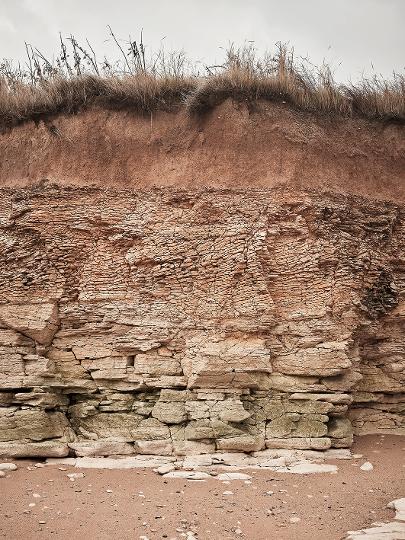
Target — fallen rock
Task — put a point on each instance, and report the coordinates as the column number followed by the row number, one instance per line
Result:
column 164, row 469
column 233, row 476
column 8, row 467
column 380, row 531
column 75, row 476
column 367, row 466
column 399, row 506
column 188, row 475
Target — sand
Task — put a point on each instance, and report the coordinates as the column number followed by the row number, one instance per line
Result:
column 140, row 504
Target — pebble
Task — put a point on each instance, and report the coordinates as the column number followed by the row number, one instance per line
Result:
column 295, row 519
column 8, row 466
column 2, row 474
column 367, row 466
column 164, row 469
column 109, row 490
column 36, row 495
column 227, row 493
column 75, row 475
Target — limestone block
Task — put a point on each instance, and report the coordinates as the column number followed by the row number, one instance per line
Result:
column 101, row 448
column 13, row 341
column 344, row 399
column 11, row 363
column 368, row 421
column 31, row 424
column 156, row 365
column 119, row 426
column 327, row 359
column 308, row 406
column 196, row 410
column 230, row 411
column 282, row 426
column 294, row 383
column 311, row 426
column 37, row 321
column 186, row 448
column 322, row 443
column 42, row 400
column 224, row 429
column 165, row 381
column 210, row 394
column 157, row 447
column 117, row 402
column 242, row 443
column 217, row 362
column 52, row 449
column 340, row 428
column 151, row 429
column 200, row 429
column 170, row 412
column 344, row 442
column 174, row 395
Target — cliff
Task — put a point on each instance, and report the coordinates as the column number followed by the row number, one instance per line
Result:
column 174, row 286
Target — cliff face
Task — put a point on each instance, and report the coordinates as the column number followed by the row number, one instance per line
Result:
column 167, row 321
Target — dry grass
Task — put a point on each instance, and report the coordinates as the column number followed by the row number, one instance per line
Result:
column 167, row 82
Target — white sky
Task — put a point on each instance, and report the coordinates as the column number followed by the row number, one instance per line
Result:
column 352, row 35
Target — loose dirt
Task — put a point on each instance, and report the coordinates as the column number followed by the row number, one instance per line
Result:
column 234, row 146
column 43, row 503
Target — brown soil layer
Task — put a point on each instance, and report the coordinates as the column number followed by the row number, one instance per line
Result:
column 235, row 145
column 328, row 505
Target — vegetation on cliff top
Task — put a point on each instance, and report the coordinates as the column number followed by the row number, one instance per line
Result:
column 77, row 79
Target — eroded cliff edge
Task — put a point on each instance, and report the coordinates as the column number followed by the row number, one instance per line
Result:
column 180, row 321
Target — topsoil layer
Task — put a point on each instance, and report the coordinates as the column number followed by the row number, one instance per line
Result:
column 235, row 145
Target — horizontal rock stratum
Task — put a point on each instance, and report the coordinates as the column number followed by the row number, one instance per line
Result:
column 175, row 321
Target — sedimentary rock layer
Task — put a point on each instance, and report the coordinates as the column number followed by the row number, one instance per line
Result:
column 164, row 321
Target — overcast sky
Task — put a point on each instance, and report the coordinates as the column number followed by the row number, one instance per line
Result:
column 352, row 35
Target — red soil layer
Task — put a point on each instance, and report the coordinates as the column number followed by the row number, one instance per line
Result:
column 235, row 145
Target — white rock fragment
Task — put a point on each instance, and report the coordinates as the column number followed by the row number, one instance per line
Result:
column 227, row 493
column 164, row 469
column 295, row 519
column 233, row 476
column 380, row 531
column 8, row 467
column 399, row 506
column 367, row 466
column 187, row 475
column 74, row 476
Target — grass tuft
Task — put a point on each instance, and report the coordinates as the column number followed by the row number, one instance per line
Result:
column 76, row 80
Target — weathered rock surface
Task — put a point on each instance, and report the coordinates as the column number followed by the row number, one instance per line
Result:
column 167, row 321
